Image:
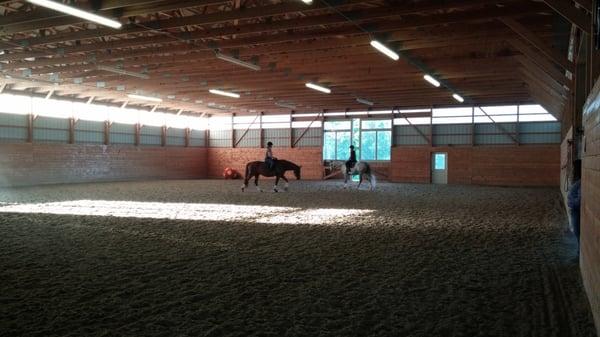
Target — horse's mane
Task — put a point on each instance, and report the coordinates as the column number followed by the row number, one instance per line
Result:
column 283, row 161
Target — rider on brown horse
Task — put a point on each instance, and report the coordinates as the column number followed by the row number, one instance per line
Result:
column 269, row 159
column 271, row 167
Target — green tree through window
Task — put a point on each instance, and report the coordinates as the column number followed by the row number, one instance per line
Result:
column 372, row 139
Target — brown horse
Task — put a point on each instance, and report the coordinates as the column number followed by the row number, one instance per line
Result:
column 256, row 168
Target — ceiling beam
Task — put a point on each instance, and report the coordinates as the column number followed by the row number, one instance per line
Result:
column 572, row 14
column 585, row 4
column 534, row 40
column 34, row 21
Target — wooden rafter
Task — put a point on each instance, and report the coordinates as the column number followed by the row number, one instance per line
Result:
column 530, row 37
column 577, row 17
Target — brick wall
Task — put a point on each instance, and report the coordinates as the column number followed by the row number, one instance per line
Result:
column 31, row 164
column 309, row 158
column 590, row 207
column 531, row 165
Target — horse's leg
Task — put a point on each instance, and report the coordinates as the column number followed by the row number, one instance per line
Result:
column 256, row 182
column 246, row 178
column 360, row 179
column 345, row 178
column 287, row 183
column 276, row 182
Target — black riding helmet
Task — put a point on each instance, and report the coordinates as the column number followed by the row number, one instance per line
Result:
column 269, row 144
column 351, row 147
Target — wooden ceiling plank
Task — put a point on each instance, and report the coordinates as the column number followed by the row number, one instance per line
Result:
column 525, row 33
column 542, row 62
column 571, row 14
column 555, row 76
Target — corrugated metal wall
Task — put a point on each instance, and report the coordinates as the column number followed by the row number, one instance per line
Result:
column 408, row 135
column 122, row 134
column 219, row 138
column 484, row 134
column 452, row 134
column 250, row 138
column 279, row 137
column 151, row 135
column 175, row 137
column 89, row 132
column 313, row 137
column 198, row 138
column 13, row 128
column 540, row 133
column 488, row 134
column 50, row 130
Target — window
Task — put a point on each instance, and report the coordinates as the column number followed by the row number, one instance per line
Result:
column 372, row 139
column 336, row 140
column 376, row 139
column 337, row 125
column 439, row 161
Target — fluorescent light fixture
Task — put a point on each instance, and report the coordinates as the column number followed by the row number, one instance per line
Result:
column 123, row 72
column 77, row 12
column 285, row 105
column 224, row 93
column 237, row 61
column 318, row 88
column 432, row 80
column 144, row 98
column 308, row 2
column 385, row 50
column 458, row 98
column 364, row 101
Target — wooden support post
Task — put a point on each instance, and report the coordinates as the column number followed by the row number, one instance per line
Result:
column 430, row 139
column 107, row 132
column 393, row 129
column 187, row 137
column 291, row 137
column 517, row 128
column 261, row 131
column 163, row 136
column 232, row 131
column 473, row 126
column 30, row 121
column 138, row 129
column 72, row 130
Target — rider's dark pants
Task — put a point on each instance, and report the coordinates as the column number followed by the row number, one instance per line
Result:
column 349, row 165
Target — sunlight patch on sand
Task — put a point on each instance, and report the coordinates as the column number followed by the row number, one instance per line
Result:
column 189, row 211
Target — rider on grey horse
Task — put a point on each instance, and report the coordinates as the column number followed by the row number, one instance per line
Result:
column 352, row 161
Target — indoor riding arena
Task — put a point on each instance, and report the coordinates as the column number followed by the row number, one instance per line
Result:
column 414, row 168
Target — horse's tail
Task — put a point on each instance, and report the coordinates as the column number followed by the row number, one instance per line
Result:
column 372, row 177
column 246, row 176
column 373, row 180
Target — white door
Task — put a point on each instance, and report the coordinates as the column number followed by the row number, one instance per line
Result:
column 439, row 168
